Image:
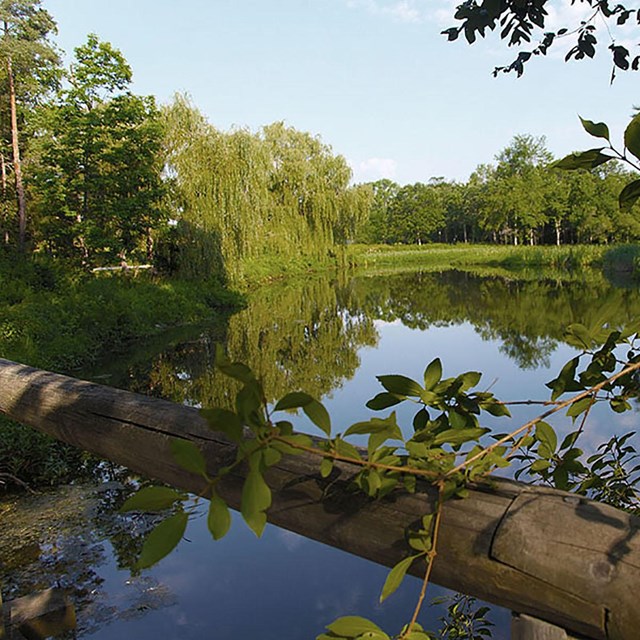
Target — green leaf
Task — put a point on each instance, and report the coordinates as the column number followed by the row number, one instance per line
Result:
column 326, row 467
column 318, row 415
column 577, row 335
column 225, row 421
column 540, row 465
column 395, row 577
column 496, row 409
column 546, row 435
column 294, row 400
column 235, row 370
column 383, row 401
column 629, row 196
column 578, row 407
column 583, row 160
column 468, row 380
column 420, row 420
column 256, row 499
column 457, row 420
column 420, row 635
column 248, row 400
column 345, row 448
column 271, row 456
column 432, row 374
column 632, row 136
column 162, row 540
column 151, row 499
column 376, row 425
column 596, row 129
column 400, row 385
column 188, row 455
column 298, row 439
column 219, row 518
column 458, row 436
column 619, row 405
column 352, row 626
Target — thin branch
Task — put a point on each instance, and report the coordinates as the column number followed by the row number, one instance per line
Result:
column 431, row 557
column 357, row 461
column 527, row 426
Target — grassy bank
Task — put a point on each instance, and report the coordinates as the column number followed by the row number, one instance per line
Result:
column 467, row 255
column 58, row 319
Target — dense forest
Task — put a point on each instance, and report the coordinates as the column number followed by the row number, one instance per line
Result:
column 94, row 175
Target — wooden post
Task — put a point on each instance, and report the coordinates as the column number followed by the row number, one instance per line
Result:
column 40, row 615
column 525, row 627
column 555, row 556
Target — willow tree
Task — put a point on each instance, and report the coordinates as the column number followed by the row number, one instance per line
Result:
column 221, row 182
column 243, row 196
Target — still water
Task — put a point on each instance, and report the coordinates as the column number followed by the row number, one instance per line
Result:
column 330, row 337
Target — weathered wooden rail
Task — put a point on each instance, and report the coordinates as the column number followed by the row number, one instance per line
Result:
column 555, row 556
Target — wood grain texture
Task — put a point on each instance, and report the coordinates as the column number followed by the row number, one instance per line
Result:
column 564, row 559
column 44, row 614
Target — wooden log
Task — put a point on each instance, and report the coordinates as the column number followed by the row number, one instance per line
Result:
column 558, row 557
column 525, row 627
column 44, row 614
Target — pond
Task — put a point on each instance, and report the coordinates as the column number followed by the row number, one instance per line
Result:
column 329, row 336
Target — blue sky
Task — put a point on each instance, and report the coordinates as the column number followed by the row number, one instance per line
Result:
column 374, row 78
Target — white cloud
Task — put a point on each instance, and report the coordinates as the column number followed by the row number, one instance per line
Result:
column 412, row 11
column 373, row 169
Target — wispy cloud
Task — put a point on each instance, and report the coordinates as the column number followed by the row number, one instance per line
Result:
column 411, row 11
column 373, row 169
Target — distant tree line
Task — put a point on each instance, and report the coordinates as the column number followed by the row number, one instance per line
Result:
column 517, row 200
column 92, row 175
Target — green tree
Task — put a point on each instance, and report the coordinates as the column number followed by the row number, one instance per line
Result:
column 98, row 178
column 246, row 196
column 376, row 228
column 29, row 68
column 416, row 214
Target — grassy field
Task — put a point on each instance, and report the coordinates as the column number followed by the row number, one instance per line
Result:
column 507, row 257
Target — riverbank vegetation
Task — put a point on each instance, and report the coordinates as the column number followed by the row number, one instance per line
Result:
column 96, row 177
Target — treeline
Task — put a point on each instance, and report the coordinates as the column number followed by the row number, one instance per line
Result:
column 519, row 200
column 94, row 175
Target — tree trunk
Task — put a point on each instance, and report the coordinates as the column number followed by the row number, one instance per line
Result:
column 3, row 169
column 149, row 246
column 17, row 165
column 557, row 225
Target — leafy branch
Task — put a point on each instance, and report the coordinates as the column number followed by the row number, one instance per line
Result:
column 445, row 425
column 595, row 157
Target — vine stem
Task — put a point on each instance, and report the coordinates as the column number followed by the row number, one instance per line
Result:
column 527, row 426
column 361, row 463
column 431, row 557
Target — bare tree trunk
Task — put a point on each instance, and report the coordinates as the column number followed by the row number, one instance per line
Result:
column 17, row 165
column 149, row 246
column 3, row 169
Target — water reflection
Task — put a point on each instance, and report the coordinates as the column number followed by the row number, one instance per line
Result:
column 61, row 539
column 330, row 337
